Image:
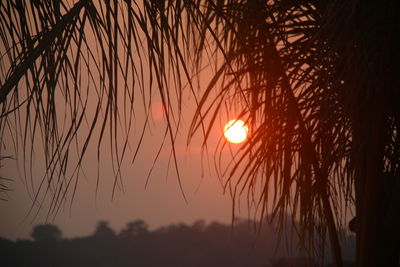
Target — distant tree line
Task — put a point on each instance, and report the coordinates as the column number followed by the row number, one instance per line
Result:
column 199, row 244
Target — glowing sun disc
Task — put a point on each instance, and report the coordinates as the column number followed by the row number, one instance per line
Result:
column 235, row 131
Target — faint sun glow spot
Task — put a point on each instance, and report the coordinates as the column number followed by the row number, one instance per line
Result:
column 235, row 131
column 157, row 111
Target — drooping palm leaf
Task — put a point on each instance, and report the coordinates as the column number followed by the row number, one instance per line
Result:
column 304, row 74
column 308, row 76
column 277, row 61
column 81, row 68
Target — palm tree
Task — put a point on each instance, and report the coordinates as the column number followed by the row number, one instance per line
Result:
column 316, row 80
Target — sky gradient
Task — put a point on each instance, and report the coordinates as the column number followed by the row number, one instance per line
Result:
column 160, row 203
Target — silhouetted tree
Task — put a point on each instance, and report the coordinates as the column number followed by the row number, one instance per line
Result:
column 317, row 81
column 135, row 228
column 199, row 225
column 177, row 245
column 46, row 233
column 307, row 76
column 104, row 231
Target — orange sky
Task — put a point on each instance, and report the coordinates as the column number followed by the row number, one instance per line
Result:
column 159, row 204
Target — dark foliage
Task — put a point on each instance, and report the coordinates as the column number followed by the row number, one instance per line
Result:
column 46, row 233
column 318, row 81
column 200, row 244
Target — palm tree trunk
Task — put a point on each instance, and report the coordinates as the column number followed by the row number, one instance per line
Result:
column 369, row 197
column 376, row 244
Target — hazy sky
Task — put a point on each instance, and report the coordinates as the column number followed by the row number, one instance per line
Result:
column 159, row 204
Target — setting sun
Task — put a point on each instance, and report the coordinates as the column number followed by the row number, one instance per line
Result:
column 235, row 131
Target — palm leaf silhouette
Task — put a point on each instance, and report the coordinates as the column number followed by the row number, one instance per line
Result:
column 304, row 74
column 309, row 78
column 107, row 55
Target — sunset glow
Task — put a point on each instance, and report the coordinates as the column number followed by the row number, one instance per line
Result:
column 235, row 131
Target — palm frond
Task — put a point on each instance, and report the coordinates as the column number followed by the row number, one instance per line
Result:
column 71, row 77
column 306, row 75
column 299, row 149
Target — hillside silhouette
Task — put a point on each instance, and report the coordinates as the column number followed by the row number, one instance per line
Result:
column 245, row 243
